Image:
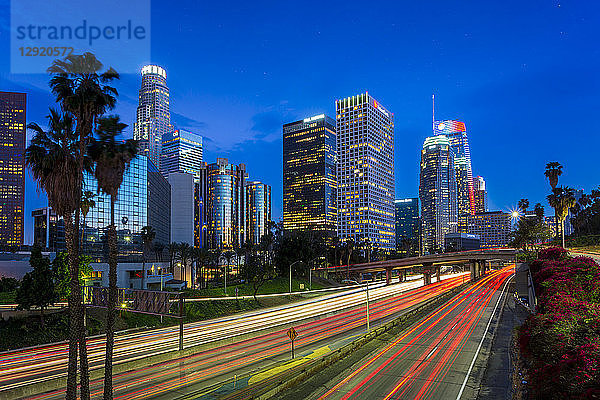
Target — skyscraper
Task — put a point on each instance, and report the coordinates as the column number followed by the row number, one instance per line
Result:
column 457, row 134
column 437, row 192
column 480, row 195
column 153, row 119
column 225, row 204
column 493, row 228
column 365, row 171
column 309, row 181
column 258, row 210
column 48, row 229
column 181, row 152
column 407, row 225
column 144, row 199
column 12, row 162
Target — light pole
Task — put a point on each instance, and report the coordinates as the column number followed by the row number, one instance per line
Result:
column 291, row 265
column 368, row 324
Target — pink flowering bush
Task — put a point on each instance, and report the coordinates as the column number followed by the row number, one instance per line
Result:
column 562, row 341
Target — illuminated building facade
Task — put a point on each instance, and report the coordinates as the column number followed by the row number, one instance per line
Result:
column 309, row 180
column 258, row 210
column 144, row 199
column 365, row 171
column 48, row 229
column 153, row 119
column 225, row 203
column 407, row 223
column 12, row 163
column 480, row 195
column 437, row 192
column 456, row 132
column 493, row 228
column 181, row 152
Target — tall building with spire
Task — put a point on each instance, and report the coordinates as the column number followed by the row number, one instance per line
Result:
column 456, row 133
column 153, row 119
column 12, row 167
column 365, row 171
column 437, row 192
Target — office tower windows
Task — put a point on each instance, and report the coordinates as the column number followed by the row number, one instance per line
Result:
column 309, row 181
column 480, row 195
column 12, row 162
column 258, row 210
column 493, row 228
column 153, row 119
column 456, row 132
column 48, row 229
column 407, row 226
column 437, row 192
column 181, row 152
column 365, row 171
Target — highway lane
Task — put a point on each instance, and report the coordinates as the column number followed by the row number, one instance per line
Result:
column 434, row 358
column 189, row 374
column 44, row 362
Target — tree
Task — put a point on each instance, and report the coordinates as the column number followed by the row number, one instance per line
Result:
column 257, row 272
column 148, row 235
column 57, row 159
column 185, row 256
column 562, row 200
column 61, row 275
column 87, row 202
column 552, row 172
column 228, row 255
column 158, row 248
column 201, row 257
column 523, row 205
column 112, row 159
column 586, row 220
column 173, row 250
column 37, row 288
column 8, row 284
column 538, row 209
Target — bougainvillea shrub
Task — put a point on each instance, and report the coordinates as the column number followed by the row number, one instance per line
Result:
column 562, row 340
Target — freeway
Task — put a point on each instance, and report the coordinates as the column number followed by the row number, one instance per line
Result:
column 331, row 315
column 433, row 359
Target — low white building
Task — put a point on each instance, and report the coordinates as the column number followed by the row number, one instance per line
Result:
column 129, row 275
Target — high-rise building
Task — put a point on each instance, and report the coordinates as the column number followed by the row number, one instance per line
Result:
column 181, row 152
column 493, row 227
column 407, row 225
column 258, row 210
column 309, row 180
column 437, row 192
column 48, row 229
column 12, row 163
column 480, row 195
column 365, row 171
column 183, row 207
column 457, row 134
column 153, row 119
column 225, row 204
column 144, row 199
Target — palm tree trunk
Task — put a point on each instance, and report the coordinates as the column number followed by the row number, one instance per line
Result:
column 112, row 303
column 84, row 378
column 72, row 366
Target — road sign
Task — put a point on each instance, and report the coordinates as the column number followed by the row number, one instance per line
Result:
column 292, row 334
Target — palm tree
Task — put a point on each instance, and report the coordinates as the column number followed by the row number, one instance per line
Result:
column 112, row 160
column 87, row 203
column 523, row 205
column 349, row 248
column 158, row 250
column 185, row 255
column 553, row 171
column 148, row 235
column 173, row 249
column 53, row 159
column 228, row 256
column 562, row 200
column 201, row 256
column 82, row 92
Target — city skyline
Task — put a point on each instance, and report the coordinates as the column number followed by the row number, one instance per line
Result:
column 501, row 95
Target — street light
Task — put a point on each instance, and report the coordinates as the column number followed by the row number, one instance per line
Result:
column 291, row 265
column 368, row 325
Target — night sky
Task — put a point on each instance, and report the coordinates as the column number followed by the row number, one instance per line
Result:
column 522, row 75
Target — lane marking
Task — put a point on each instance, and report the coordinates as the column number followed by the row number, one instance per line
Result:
column 462, row 388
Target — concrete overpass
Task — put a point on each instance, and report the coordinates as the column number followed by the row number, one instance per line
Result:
column 430, row 263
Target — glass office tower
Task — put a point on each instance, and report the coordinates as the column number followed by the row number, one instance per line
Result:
column 153, row 118
column 456, row 132
column 181, row 152
column 407, row 225
column 480, row 195
column 365, row 171
column 258, row 210
column 437, row 192
column 309, row 181
column 144, row 200
column 12, row 164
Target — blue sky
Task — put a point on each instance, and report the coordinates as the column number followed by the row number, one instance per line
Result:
column 523, row 76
